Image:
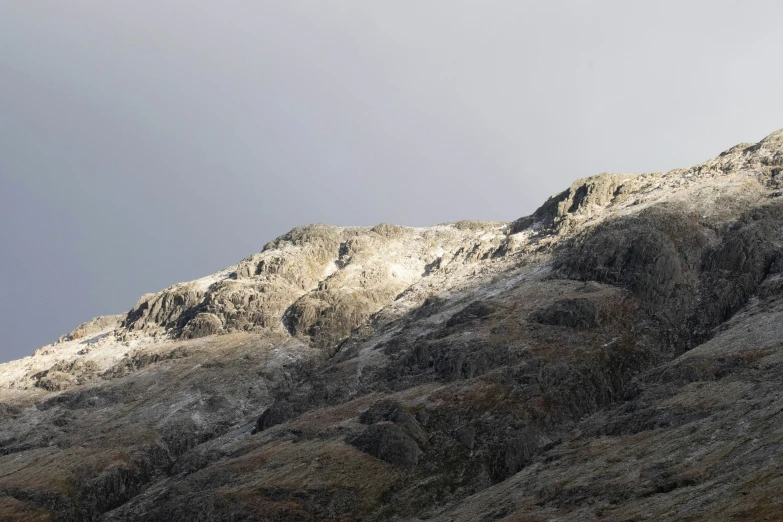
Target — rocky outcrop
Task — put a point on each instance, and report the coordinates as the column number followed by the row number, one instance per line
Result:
column 615, row 355
column 319, row 282
column 388, row 442
column 576, row 313
column 95, row 327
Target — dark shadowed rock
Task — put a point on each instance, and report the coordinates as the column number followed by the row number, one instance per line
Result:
column 572, row 313
column 475, row 310
column 388, row 442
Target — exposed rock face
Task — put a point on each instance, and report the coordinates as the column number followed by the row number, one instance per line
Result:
column 389, row 443
column 576, row 313
column 319, row 282
column 94, row 327
column 616, row 355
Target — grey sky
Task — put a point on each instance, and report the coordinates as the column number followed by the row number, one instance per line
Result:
column 143, row 143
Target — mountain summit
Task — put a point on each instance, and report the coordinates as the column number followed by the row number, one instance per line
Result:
column 616, row 355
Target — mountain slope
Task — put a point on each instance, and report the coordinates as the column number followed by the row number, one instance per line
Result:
column 615, row 355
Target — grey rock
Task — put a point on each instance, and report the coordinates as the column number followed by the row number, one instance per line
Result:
column 388, row 442
column 577, row 313
column 616, row 355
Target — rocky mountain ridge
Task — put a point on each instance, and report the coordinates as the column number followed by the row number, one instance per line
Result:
column 585, row 362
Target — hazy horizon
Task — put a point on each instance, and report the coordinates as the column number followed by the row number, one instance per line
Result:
column 144, row 144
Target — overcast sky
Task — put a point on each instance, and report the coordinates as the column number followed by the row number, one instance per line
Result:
column 148, row 142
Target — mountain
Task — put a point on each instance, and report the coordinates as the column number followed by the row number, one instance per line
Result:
column 617, row 355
